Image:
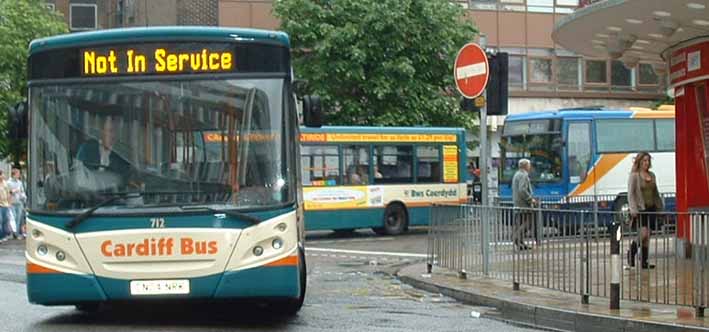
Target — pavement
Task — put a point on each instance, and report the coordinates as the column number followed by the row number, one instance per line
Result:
column 554, row 310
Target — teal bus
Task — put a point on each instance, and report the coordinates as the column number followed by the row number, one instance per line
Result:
column 163, row 166
column 383, row 178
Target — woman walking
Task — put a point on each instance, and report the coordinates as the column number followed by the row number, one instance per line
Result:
column 644, row 202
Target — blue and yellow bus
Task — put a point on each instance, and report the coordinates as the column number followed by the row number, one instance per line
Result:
column 584, row 155
column 163, row 165
column 384, row 178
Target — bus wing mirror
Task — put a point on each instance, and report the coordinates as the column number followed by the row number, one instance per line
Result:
column 17, row 121
column 312, row 111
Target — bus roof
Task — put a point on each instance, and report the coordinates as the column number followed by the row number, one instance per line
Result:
column 157, row 34
column 366, row 129
column 592, row 113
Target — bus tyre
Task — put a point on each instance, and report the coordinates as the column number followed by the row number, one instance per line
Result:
column 88, row 308
column 291, row 307
column 395, row 220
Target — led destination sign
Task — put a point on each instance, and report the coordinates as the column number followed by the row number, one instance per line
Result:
column 107, row 61
column 159, row 59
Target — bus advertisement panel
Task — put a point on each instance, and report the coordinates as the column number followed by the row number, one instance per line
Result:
column 384, row 178
column 163, row 165
column 582, row 156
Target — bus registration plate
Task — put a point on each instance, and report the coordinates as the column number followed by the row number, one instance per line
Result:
column 159, row 287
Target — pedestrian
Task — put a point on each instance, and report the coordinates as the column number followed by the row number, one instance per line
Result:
column 5, row 217
column 17, row 189
column 523, row 199
column 644, row 201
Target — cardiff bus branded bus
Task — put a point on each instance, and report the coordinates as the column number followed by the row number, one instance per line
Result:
column 384, row 178
column 583, row 156
column 163, row 165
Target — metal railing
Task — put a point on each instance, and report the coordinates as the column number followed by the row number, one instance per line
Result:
column 570, row 250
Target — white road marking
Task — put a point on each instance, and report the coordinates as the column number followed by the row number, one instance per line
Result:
column 350, row 240
column 362, row 252
column 13, row 262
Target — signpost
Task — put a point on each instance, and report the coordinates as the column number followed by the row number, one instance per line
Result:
column 471, row 72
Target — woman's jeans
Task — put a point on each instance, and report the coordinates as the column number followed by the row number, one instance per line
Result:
column 5, row 229
column 18, row 211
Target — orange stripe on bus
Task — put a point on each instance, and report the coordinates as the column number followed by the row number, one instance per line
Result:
column 287, row 261
column 654, row 115
column 602, row 167
column 39, row 269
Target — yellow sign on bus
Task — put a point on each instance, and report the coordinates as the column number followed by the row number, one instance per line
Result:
column 376, row 138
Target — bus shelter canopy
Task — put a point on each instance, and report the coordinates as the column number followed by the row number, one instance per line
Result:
column 633, row 30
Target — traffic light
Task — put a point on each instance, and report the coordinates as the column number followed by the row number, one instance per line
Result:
column 497, row 84
column 467, row 104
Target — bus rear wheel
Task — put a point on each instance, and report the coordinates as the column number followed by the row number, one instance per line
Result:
column 395, row 220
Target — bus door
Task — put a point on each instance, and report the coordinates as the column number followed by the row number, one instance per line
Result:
column 578, row 154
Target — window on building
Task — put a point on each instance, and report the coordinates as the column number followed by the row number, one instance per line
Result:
column 395, row 163
column 625, row 135
column 568, row 71
column 515, row 69
column 596, row 71
column 356, row 164
column 647, row 75
column 539, row 70
column 568, row 3
column 429, row 164
column 320, row 165
column 540, row 6
column 483, row 4
column 620, row 75
column 83, row 16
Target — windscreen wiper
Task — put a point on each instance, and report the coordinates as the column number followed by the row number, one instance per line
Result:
column 231, row 213
column 83, row 216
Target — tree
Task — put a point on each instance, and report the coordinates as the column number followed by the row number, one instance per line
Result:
column 21, row 21
column 380, row 62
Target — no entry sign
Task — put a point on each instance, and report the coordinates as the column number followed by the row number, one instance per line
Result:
column 471, row 70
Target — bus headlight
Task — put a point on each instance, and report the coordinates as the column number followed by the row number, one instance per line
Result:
column 277, row 243
column 61, row 256
column 258, row 251
column 36, row 234
column 42, row 250
column 282, row 227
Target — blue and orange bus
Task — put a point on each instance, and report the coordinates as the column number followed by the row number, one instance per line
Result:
column 163, row 165
column 384, row 178
column 584, row 155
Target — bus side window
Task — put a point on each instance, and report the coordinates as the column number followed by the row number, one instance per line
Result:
column 395, row 162
column 579, row 150
column 356, row 164
column 429, row 161
column 320, row 165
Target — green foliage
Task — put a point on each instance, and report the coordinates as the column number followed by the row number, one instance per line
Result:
column 380, row 62
column 20, row 22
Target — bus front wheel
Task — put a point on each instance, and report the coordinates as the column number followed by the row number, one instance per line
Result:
column 395, row 220
column 291, row 307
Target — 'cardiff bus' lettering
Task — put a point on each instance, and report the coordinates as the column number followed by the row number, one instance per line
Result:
column 159, row 247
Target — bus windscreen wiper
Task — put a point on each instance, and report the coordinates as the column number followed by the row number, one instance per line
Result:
column 231, row 213
column 83, row 216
